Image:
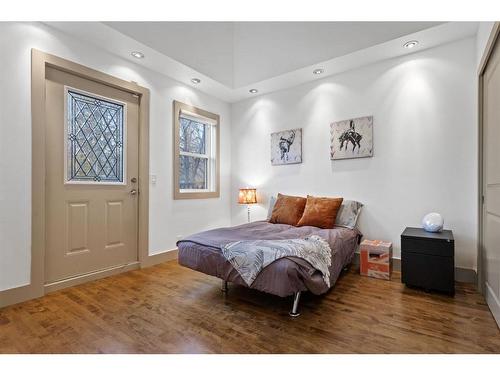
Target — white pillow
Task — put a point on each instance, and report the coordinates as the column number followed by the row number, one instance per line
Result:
column 348, row 214
column 272, row 202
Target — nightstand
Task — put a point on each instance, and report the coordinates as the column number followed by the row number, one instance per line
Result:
column 428, row 259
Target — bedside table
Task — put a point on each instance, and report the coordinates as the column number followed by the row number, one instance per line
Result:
column 428, row 259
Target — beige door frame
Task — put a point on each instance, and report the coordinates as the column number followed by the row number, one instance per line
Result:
column 495, row 33
column 39, row 62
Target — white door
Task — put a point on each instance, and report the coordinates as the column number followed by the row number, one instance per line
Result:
column 91, row 176
column 491, row 182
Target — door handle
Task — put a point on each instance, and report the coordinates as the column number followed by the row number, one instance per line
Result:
column 133, row 192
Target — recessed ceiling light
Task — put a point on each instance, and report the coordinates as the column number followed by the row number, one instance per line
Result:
column 410, row 44
column 318, row 71
column 253, row 91
column 137, row 54
column 195, row 80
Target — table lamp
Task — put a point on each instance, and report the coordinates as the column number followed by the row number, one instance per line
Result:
column 247, row 196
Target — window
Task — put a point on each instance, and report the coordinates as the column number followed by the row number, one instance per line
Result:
column 94, row 137
column 196, row 148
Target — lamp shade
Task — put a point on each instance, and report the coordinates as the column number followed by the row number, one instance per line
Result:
column 247, row 196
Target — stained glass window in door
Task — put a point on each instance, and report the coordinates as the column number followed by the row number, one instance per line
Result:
column 95, row 139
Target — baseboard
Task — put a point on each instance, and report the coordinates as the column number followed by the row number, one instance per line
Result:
column 493, row 303
column 164, row 256
column 20, row 294
column 91, row 276
column 463, row 275
column 148, row 262
column 24, row 293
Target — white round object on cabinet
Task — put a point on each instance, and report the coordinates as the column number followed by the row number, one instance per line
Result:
column 433, row 222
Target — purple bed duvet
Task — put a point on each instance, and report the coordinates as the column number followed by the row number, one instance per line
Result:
column 284, row 277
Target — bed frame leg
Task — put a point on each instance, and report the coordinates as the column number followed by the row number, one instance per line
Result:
column 295, row 308
column 223, row 286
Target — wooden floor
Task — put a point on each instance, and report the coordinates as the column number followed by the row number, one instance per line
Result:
column 170, row 309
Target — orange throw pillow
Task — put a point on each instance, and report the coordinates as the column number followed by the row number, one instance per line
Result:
column 320, row 212
column 288, row 209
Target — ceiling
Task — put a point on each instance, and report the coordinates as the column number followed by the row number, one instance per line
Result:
column 238, row 54
column 230, row 58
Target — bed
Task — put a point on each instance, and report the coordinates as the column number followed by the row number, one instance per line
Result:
column 284, row 277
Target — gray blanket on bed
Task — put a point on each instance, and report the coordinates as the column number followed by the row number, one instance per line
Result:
column 249, row 258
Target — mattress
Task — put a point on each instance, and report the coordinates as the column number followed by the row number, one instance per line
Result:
column 284, row 277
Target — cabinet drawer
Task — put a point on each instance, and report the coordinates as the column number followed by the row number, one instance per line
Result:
column 427, row 271
column 428, row 247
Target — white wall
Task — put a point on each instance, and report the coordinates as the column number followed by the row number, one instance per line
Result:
column 425, row 144
column 168, row 218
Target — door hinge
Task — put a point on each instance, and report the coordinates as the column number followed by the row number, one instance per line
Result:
column 482, row 199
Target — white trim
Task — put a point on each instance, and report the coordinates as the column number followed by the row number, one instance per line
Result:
column 125, row 144
column 90, row 276
column 194, row 155
column 212, row 161
column 197, row 118
column 493, row 302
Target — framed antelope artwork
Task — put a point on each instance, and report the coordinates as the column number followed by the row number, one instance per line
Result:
column 286, row 147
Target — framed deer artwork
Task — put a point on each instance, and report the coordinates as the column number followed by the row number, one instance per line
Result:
column 351, row 138
column 286, row 147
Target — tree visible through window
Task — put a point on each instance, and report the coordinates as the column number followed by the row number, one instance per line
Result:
column 196, row 152
column 194, row 142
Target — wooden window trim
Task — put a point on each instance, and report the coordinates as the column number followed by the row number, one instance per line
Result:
column 179, row 107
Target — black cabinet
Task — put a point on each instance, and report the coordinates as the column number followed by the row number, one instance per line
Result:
column 428, row 259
